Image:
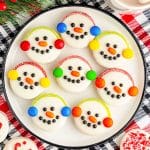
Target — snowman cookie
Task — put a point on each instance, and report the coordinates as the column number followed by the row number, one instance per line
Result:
column 4, row 126
column 74, row 73
column 111, row 49
column 42, row 44
column 92, row 116
column 78, row 29
column 115, row 86
column 28, row 80
column 20, row 143
column 49, row 112
column 135, row 139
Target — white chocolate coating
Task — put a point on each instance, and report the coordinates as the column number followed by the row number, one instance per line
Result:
column 70, row 85
column 108, row 59
column 20, row 143
column 77, row 18
column 4, row 126
column 94, row 107
column 47, row 102
column 20, row 90
column 49, row 53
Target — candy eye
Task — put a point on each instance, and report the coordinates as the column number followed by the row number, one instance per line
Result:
column 33, row 75
column 45, row 38
column 50, row 47
column 113, row 83
column 114, row 46
column 52, row 108
column 121, row 85
column 81, row 25
column 96, row 115
column 79, row 68
column 72, row 24
column 25, row 73
column 37, row 38
column 44, row 109
column 88, row 112
column 70, row 68
column 107, row 44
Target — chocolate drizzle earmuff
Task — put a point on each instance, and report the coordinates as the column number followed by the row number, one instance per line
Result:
column 42, row 44
column 74, row 73
column 49, row 111
column 92, row 116
column 111, row 49
column 28, row 80
column 116, row 86
column 78, row 29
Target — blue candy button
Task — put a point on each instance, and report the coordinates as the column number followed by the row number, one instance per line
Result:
column 66, row 111
column 32, row 111
column 61, row 27
column 95, row 30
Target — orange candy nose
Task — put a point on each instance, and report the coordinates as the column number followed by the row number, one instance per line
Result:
column 43, row 43
column 78, row 30
column 112, row 51
column 49, row 114
column 75, row 73
column 92, row 119
column 117, row 89
column 29, row 80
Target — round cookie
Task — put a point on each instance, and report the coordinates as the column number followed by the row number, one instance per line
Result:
column 78, row 29
column 92, row 116
column 42, row 44
column 135, row 139
column 4, row 126
column 20, row 143
column 115, row 86
column 49, row 112
column 28, row 80
column 74, row 73
column 111, row 53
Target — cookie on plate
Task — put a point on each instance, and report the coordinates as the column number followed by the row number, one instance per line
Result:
column 28, row 80
column 74, row 73
column 111, row 49
column 135, row 139
column 92, row 116
column 42, row 44
column 49, row 111
column 4, row 126
column 20, row 143
column 78, row 29
column 116, row 86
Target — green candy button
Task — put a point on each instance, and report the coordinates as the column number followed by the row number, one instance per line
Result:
column 58, row 72
column 91, row 75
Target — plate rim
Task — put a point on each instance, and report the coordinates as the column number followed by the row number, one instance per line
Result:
column 106, row 13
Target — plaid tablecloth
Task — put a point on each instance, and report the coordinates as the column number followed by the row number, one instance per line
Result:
column 139, row 23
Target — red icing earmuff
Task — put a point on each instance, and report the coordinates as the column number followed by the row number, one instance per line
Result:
column 133, row 91
column 99, row 82
column 1, row 125
column 108, row 122
column 25, row 45
column 59, row 44
column 76, row 111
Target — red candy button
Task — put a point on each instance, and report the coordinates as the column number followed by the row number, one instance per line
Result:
column 25, row 45
column 108, row 122
column 1, row 125
column 59, row 44
column 3, row 6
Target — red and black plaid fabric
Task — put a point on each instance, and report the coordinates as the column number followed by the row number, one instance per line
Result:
column 138, row 23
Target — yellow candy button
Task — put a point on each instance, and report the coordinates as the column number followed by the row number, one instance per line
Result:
column 94, row 45
column 13, row 74
column 45, row 82
column 127, row 53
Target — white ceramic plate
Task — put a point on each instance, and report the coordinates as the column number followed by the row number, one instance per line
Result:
column 69, row 135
